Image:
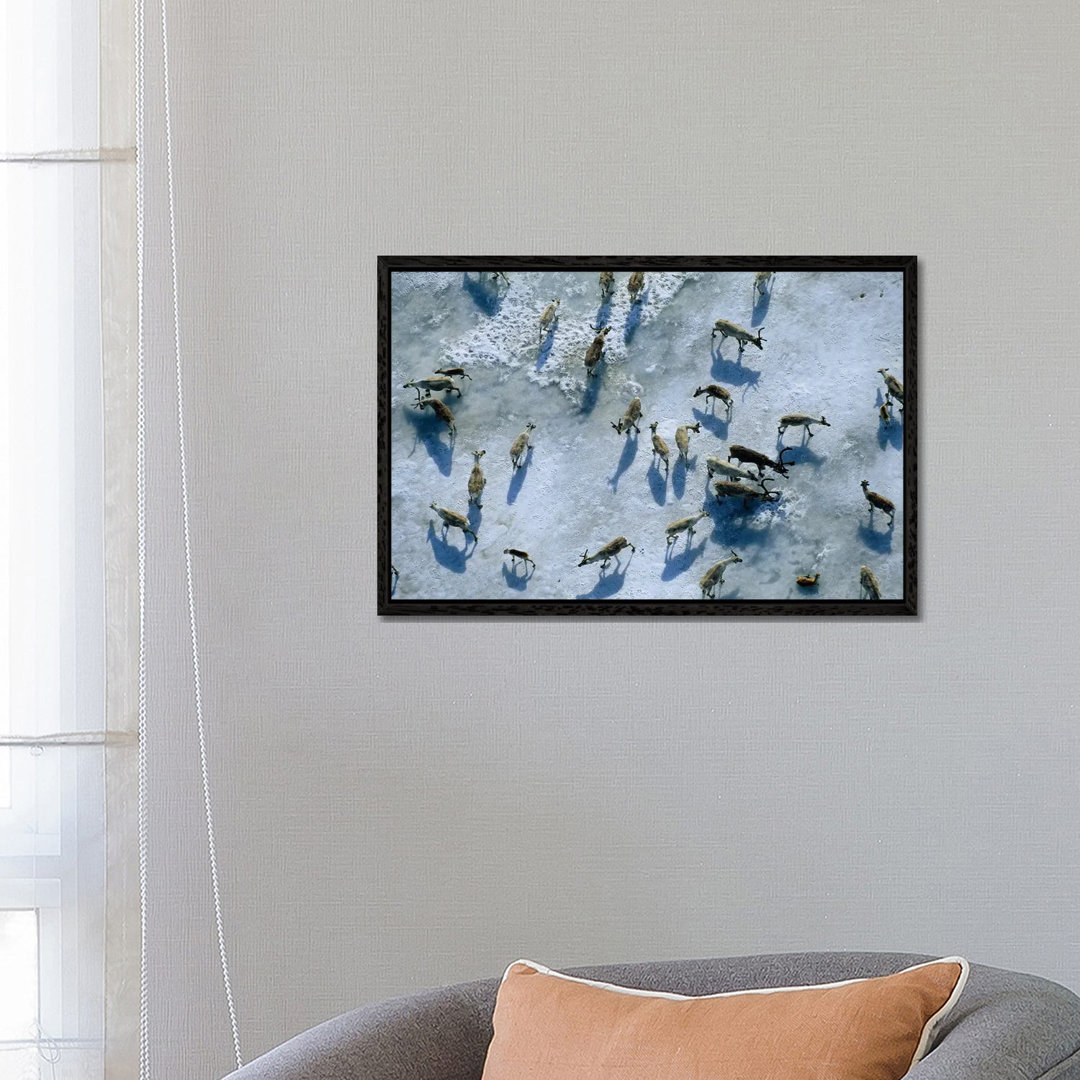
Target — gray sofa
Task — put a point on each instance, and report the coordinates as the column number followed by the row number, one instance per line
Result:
column 1006, row 1026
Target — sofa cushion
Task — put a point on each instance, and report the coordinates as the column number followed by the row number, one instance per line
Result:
column 552, row 1026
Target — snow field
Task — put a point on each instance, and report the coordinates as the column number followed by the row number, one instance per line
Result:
column 825, row 335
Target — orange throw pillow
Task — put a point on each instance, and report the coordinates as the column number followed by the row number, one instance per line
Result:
column 550, row 1026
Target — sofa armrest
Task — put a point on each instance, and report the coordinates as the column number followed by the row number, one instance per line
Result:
column 440, row 1034
column 1007, row 1026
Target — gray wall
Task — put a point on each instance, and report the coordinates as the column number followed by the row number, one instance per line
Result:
column 402, row 804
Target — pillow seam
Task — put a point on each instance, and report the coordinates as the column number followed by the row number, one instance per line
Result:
column 541, row 969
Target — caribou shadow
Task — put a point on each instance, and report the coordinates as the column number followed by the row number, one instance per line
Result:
column 592, row 389
column 608, row 584
column 733, row 595
column 518, row 478
column 875, row 539
column 428, row 431
column 453, row 558
column 484, row 292
column 513, row 579
column 761, row 306
column 732, row 371
column 891, row 434
column 626, row 458
column 678, row 474
column 603, row 314
column 731, row 528
column 711, row 421
column 798, row 455
column 657, row 483
column 674, row 565
column 546, row 340
column 544, row 349
column 633, row 319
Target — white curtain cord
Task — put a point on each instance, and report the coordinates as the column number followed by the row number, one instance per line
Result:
column 140, row 199
column 140, row 215
column 207, row 803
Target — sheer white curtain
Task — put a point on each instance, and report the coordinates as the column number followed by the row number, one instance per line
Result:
column 62, row 241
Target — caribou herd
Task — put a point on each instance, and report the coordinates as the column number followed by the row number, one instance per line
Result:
column 741, row 474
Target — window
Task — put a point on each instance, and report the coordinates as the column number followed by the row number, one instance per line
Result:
column 52, row 580
column 19, row 948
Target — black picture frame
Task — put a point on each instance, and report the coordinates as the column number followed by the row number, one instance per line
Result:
column 390, row 604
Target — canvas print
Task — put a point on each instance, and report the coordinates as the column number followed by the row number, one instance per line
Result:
column 590, row 436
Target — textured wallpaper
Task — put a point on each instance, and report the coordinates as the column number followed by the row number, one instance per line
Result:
column 406, row 804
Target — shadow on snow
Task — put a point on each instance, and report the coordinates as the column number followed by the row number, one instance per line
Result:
column 446, row 554
column 633, row 318
column 674, row 565
column 875, row 539
column 798, row 455
column 731, row 372
column 608, row 584
column 484, row 292
column 514, row 579
column 657, row 483
column 518, row 478
column 592, row 389
column 761, row 307
column 713, row 422
column 543, row 346
column 719, row 594
column 626, row 459
column 544, row 349
column 427, row 429
column 678, row 474
column 733, row 524
column 890, row 434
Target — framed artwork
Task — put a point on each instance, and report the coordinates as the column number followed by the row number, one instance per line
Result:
column 647, row 435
